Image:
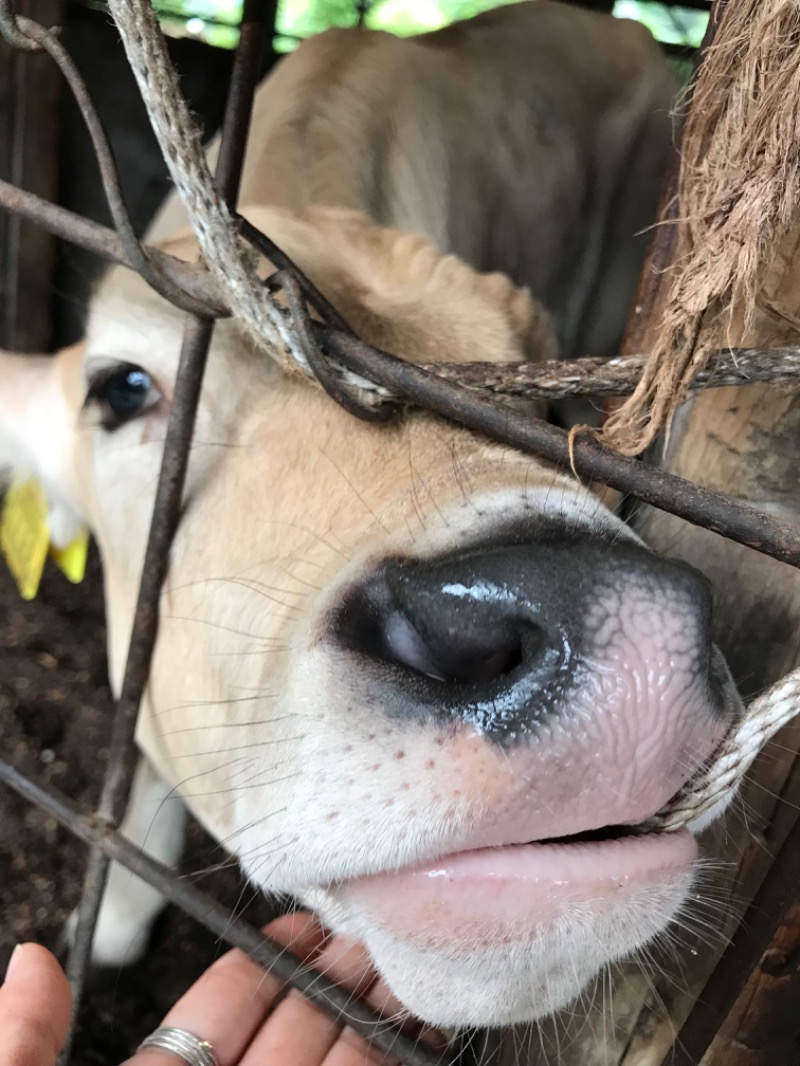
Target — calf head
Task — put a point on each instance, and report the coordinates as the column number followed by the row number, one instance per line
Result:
column 425, row 683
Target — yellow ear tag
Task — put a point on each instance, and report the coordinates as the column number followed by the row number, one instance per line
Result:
column 25, row 539
column 71, row 561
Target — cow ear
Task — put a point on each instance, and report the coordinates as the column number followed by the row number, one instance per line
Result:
column 400, row 292
column 467, row 315
column 38, row 419
column 529, row 321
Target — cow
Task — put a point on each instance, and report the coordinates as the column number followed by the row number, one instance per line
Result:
column 427, row 685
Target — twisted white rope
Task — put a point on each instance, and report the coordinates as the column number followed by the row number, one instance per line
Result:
column 179, row 140
column 231, row 263
column 762, row 719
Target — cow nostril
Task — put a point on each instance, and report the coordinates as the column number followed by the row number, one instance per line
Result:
column 448, row 660
column 451, row 647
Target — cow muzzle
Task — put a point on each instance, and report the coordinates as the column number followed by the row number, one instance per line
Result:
column 572, row 688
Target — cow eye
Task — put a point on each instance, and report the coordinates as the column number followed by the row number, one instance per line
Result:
column 121, row 393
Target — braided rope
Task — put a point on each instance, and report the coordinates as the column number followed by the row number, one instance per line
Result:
column 227, row 257
column 762, row 719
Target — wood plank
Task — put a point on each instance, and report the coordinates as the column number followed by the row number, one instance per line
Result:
column 765, row 1026
column 746, row 442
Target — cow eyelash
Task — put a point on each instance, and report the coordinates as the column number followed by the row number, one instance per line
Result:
column 120, row 392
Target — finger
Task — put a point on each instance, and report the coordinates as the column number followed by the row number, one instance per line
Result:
column 35, row 1002
column 299, row 1032
column 347, row 963
column 350, row 1049
column 227, row 1004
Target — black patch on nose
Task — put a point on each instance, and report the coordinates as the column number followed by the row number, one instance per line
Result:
column 496, row 635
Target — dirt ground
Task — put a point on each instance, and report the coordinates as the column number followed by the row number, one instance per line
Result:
column 55, row 715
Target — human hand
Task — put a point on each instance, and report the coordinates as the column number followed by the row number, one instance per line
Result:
column 34, row 1008
column 249, row 1018
column 246, row 1016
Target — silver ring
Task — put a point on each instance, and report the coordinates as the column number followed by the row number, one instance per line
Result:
column 180, row 1042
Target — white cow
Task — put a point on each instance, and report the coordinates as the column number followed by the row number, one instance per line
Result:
column 426, row 684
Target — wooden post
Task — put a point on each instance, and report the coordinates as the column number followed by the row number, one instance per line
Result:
column 29, row 86
column 746, row 442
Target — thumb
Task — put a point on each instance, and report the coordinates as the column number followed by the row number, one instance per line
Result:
column 35, row 1004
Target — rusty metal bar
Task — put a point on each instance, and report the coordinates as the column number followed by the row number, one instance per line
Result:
column 386, row 1035
column 697, row 505
column 584, row 454
column 758, row 926
column 723, row 515
column 548, row 380
column 191, row 367
column 105, row 242
column 27, row 35
column 166, row 515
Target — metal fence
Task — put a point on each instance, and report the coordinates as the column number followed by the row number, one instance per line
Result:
column 444, row 390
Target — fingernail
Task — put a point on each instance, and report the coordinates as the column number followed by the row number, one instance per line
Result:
column 12, row 962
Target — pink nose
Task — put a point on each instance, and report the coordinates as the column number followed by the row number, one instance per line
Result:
column 504, row 637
